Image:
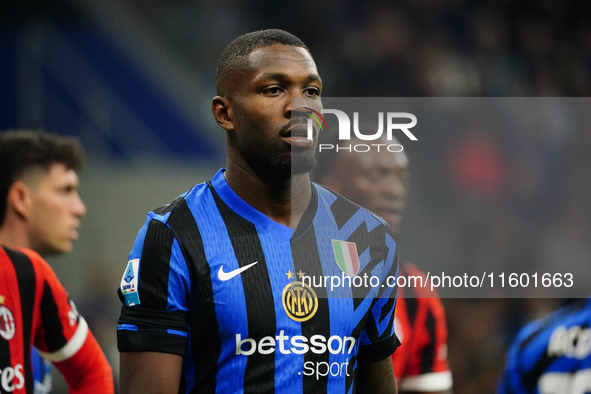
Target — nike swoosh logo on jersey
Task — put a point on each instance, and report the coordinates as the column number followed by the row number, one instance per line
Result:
column 224, row 276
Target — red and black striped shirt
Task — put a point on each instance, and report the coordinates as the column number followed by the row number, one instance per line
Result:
column 420, row 363
column 35, row 310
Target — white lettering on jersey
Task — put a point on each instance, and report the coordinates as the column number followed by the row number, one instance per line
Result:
column 573, row 342
column 12, row 378
column 577, row 382
column 297, row 344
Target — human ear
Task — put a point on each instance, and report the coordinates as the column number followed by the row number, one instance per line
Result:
column 19, row 198
column 222, row 112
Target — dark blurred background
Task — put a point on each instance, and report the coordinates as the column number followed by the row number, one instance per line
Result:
column 134, row 79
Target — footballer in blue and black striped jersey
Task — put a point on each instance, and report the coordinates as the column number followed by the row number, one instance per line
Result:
column 552, row 355
column 216, row 281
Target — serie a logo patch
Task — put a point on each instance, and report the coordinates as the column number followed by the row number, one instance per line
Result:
column 299, row 301
column 129, row 283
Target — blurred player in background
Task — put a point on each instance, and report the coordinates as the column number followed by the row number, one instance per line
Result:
column 41, row 210
column 36, row 311
column 551, row 355
column 377, row 180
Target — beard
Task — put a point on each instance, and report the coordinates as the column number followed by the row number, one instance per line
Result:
column 281, row 167
column 296, row 163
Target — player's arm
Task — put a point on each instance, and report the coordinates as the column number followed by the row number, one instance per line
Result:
column 149, row 372
column 441, row 380
column 427, row 369
column 151, row 337
column 376, row 377
column 88, row 370
column 80, row 359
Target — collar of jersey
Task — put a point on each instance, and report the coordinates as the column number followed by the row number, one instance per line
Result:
column 245, row 210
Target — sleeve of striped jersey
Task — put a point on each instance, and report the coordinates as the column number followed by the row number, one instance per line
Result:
column 510, row 381
column 529, row 358
column 88, row 371
column 522, row 356
column 158, row 322
column 551, row 354
column 60, row 331
column 427, row 368
column 378, row 340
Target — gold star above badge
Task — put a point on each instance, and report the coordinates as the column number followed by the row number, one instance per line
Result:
column 289, row 274
column 301, row 274
column 2, row 298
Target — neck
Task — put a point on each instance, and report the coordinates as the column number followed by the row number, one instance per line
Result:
column 284, row 201
column 13, row 235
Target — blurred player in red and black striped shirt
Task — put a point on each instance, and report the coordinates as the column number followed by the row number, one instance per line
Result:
column 41, row 210
column 35, row 310
column 377, row 180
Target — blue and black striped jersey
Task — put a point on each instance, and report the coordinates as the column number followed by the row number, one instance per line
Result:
column 41, row 373
column 552, row 355
column 218, row 282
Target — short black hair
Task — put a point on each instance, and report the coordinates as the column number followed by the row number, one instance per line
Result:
column 23, row 150
column 233, row 57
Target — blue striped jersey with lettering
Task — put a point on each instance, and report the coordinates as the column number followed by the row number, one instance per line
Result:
column 214, row 280
column 552, row 355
